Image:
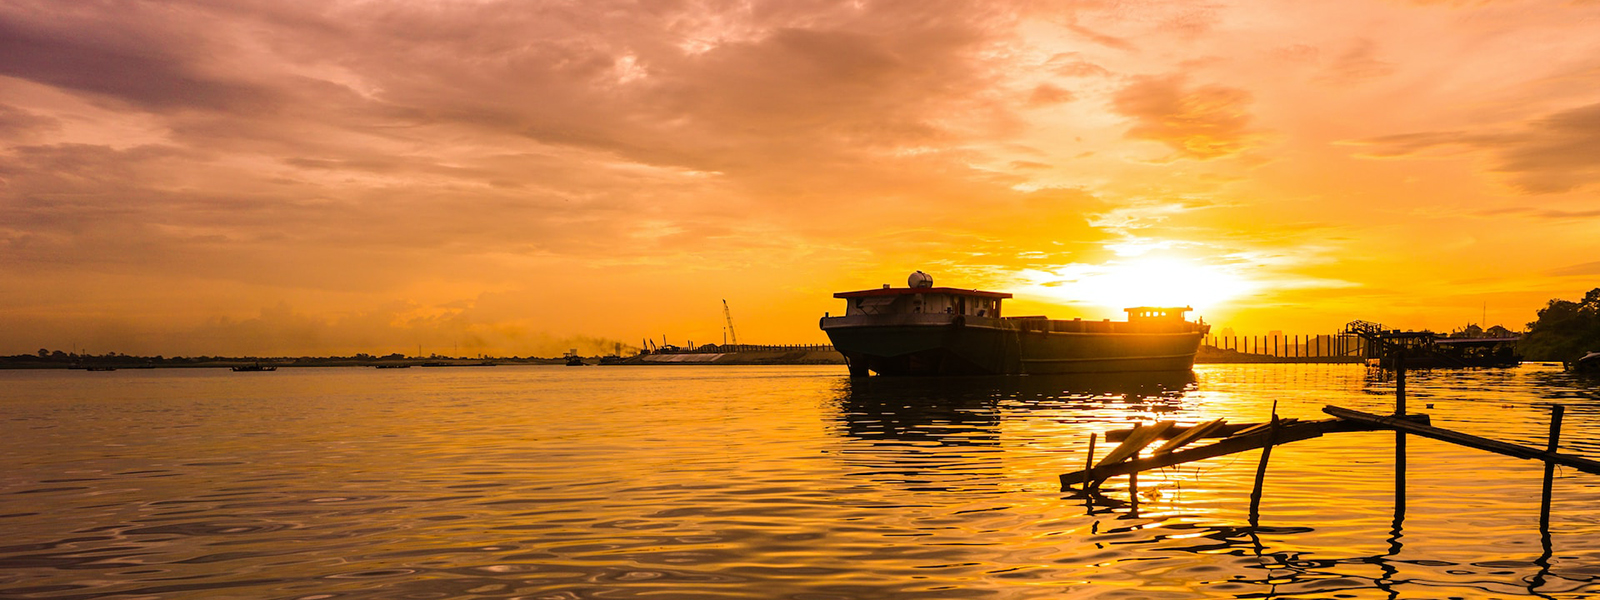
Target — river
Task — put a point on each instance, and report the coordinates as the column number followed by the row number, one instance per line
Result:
column 769, row 482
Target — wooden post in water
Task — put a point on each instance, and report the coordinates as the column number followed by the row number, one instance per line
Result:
column 1556, row 412
column 1399, row 380
column 1261, row 469
column 1089, row 461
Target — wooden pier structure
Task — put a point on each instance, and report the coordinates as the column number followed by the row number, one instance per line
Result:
column 1240, row 438
column 1126, row 459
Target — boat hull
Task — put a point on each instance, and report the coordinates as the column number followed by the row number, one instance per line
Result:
column 966, row 345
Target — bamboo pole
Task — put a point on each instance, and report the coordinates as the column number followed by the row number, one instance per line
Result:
column 1471, row 441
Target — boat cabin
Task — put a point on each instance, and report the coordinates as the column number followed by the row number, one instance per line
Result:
column 1156, row 314
column 899, row 301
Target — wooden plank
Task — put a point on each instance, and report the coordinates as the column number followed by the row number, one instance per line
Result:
column 1302, row 430
column 1468, row 440
column 1260, row 427
column 1226, row 430
column 1141, row 437
column 1229, row 445
column 1194, row 433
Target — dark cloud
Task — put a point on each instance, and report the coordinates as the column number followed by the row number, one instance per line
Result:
column 1202, row 122
column 132, row 56
column 1552, row 154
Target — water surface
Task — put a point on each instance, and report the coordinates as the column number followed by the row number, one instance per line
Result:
column 768, row 482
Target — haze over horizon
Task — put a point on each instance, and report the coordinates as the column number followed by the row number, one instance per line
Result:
column 512, row 178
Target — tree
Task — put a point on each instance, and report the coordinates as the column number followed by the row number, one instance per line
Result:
column 1564, row 330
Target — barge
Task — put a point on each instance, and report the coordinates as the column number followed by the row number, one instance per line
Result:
column 926, row 330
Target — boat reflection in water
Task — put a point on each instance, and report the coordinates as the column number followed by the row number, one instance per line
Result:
column 955, row 434
column 964, row 409
column 969, row 410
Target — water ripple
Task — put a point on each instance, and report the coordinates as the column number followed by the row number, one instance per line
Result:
column 769, row 483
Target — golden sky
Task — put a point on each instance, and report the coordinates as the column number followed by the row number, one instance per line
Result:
column 259, row 176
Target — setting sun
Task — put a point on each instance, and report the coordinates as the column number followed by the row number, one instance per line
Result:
column 1142, row 281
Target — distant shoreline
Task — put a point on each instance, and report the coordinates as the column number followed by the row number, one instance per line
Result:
column 765, row 357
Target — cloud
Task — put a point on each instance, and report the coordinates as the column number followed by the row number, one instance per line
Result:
column 1559, row 152
column 1072, row 64
column 1583, row 269
column 1046, row 95
column 1204, row 122
column 1357, row 64
column 19, row 124
column 131, row 56
column 1124, row 219
column 1552, row 214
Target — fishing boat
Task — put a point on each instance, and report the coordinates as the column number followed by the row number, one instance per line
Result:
column 255, row 367
column 924, row 330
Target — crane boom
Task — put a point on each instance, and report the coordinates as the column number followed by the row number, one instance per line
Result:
column 729, row 316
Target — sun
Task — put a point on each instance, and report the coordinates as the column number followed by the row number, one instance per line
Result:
column 1142, row 281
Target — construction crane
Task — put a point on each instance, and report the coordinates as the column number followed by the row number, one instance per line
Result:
column 734, row 337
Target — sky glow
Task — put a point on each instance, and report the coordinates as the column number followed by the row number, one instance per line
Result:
column 254, row 177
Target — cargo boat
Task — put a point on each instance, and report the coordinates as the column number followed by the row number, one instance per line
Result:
column 926, row 330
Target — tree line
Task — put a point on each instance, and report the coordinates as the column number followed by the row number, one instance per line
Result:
column 1565, row 330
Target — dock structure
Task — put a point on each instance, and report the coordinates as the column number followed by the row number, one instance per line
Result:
column 1123, row 459
column 1233, row 438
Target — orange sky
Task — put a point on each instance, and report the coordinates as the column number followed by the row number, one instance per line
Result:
column 258, row 176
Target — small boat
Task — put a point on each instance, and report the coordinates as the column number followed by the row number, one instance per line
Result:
column 99, row 368
column 255, row 367
column 392, row 366
column 1588, row 364
column 926, row 330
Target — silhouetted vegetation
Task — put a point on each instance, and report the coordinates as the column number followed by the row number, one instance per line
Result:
column 1565, row 330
